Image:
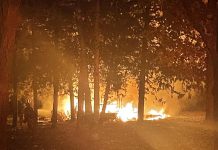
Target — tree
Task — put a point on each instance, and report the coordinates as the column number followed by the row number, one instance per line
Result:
column 96, row 65
column 203, row 17
column 9, row 20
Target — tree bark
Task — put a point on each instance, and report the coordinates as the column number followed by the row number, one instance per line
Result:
column 81, row 88
column 141, row 90
column 35, row 97
column 216, row 64
column 55, row 102
column 9, row 20
column 87, row 92
column 206, row 25
column 141, row 84
column 96, row 66
column 72, row 110
column 209, row 88
column 106, row 95
column 14, row 102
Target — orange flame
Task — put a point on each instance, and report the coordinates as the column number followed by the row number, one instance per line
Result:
column 126, row 113
column 156, row 115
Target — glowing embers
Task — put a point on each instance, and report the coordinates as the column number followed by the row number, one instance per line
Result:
column 156, row 115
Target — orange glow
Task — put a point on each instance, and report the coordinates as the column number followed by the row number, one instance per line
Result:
column 66, row 108
column 126, row 113
column 156, row 115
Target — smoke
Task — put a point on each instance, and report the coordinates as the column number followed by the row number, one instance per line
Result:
column 162, row 99
column 172, row 103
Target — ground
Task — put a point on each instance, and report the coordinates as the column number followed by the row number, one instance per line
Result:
column 171, row 134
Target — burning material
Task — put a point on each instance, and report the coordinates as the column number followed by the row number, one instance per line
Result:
column 67, row 109
column 126, row 113
column 156, row 115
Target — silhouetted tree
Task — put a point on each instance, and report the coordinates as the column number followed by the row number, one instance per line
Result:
column 9, row 20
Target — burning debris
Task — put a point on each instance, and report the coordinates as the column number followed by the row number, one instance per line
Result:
column 156, row 115
column 125, row 113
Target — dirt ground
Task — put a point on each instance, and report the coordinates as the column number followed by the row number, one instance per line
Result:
column 169, row 134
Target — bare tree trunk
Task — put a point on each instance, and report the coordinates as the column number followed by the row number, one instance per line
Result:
column 87, row 92
column 81, row 90
column 55, row 102
column 96, row 67
column 9, row 20
column 14, row 103
column 141, row 89
column 216, row 64
column 34, row 73
column 35, row 97
column 15, row 106
column 209, row 87
column 106, row 95
column 80, row 100
column 72, row 110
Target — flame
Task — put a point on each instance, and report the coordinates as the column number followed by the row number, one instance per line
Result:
column 127, row 113
column 112, row 108
column 66, row 109
column 156, row 115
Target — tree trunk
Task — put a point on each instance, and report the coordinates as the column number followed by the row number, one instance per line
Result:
column 55, row 102
column 35, row 97
column 106, row 95
column 14, row 102
column 206, row 25
column 141, row 85
column 72, row 111
column 83, row 87
column 96, row 66
column 88, row 105
column 209, row 87
column 80, row 91
column 141, row 90
column 15, row 106
column 216, row 65
column 3, row 118
column 210, row 38
column 9, row 20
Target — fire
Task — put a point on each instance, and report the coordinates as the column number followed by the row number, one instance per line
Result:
column 126, row 113
column 67, row 109
column 156, row 115
column 112, row 108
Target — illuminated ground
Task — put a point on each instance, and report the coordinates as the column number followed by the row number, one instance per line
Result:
column 171, row 134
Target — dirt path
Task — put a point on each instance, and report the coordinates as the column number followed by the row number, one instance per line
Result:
column 114, row 136
column 173, row 135
column 156, row 135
